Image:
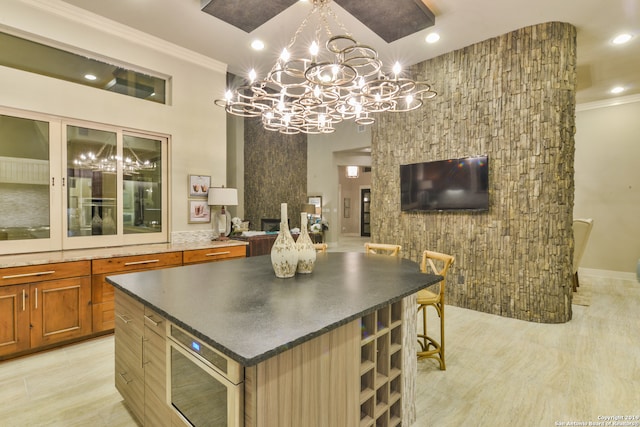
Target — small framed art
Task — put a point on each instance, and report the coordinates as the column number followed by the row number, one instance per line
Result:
column 199, row 212
column 199, row 185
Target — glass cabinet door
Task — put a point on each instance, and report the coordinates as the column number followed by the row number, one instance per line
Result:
column 26, row 183
column 92, row 170
column 142, row 185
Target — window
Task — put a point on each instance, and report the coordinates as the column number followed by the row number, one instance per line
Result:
column 110, row 189
column 27, row 55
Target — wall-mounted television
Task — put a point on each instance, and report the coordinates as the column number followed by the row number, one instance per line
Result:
column 445, row 185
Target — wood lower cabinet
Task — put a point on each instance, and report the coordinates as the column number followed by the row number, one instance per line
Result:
column 140, row 361
column 14, row 319
column 129, row 368
column 44, row 305
column 102, row 292
column 156, row 410
column 60, row 310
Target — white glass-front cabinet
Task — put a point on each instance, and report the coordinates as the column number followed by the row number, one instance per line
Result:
column 70, row 185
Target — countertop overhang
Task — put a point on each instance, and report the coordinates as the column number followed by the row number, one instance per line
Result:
column 243, row 310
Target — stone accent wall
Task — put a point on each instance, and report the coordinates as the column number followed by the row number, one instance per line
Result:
column 511, row 97
column 275, row 172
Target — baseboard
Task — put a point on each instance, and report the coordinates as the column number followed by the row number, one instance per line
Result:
column 607, row 273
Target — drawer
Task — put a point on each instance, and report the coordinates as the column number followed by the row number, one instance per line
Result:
column 214, row 254
column 42, row 272
column 130, row 383
column 136, row 262
column 154, row 322
column 129, row 314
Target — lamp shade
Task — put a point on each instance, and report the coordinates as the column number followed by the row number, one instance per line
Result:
column 221, row 196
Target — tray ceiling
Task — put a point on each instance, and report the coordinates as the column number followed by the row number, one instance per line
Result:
column 391, row 20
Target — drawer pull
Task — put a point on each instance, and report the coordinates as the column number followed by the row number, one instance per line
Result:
column 152, row 321
column 147, row 261
column 125, row 319
column 37, row 273
column 126, row 381
column 218, row 253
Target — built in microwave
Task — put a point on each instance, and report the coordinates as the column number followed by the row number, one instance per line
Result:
column 205, row 387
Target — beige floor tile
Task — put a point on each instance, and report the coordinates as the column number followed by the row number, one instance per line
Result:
column 499, row 371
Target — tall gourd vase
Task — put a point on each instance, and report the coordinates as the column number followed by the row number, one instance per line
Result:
column 284, row 253
column 306, row 250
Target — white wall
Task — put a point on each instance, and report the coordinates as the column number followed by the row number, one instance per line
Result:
column 607, row 176
column 196, row 127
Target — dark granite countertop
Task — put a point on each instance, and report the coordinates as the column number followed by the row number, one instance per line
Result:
column 242, row 309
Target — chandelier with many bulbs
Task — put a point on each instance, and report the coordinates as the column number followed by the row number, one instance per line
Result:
column 311, row 93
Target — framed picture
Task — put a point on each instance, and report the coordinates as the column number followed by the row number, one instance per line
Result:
column 199, row 185
column 199, row 212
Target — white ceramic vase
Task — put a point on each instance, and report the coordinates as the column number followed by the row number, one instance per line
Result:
column 306, row 250
column 284, row 253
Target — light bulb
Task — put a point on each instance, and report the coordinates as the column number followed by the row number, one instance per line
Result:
column 252, row 75
column 396, row 68
column 285, row 55
column 314, row 49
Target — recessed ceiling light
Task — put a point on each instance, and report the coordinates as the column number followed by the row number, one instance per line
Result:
column 617, row 89
column 432, row 37
column 90, row 77
column 622, row 38
column 257, row 44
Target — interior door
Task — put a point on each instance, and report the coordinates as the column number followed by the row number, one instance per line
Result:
column 365, row 210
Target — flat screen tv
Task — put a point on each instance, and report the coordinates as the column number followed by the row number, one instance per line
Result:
column 445, row 185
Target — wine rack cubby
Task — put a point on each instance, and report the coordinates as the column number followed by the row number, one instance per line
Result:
column 381, row 367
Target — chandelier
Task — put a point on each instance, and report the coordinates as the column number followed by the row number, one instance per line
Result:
column 107, row 160
column 337, row 79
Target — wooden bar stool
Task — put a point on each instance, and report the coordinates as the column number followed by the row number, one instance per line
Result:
column 436, row 263
column 382, row 248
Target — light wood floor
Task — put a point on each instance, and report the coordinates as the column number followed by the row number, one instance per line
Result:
column 499, row 371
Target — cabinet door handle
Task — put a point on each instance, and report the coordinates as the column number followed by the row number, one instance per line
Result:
column 37, row 273
column 123, row 318
column 156, row 324
column 126, row 381
column 147, row 261
column 218, row 253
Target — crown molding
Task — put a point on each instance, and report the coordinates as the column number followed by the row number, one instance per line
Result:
column 115, row 29
column 608, row 102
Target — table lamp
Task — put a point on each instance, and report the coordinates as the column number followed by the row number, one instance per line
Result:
column 310, row 210
column 221, row 196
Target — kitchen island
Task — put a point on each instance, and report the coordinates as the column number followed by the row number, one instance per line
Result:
column 320, row 349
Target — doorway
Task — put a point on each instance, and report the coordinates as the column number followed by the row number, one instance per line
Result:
column 365, row 212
